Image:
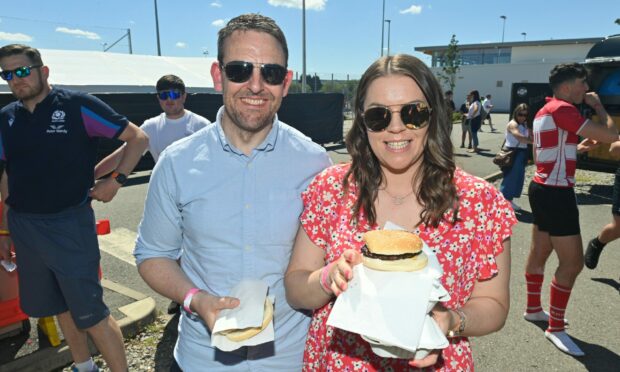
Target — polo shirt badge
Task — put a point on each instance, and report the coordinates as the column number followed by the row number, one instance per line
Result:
column 11, row 121
column 57, row 125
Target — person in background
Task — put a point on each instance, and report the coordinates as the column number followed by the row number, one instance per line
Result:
column 230, row 197
column 174, row 123
column 517, row 137
column 403, row 171
column 611, row 231
column 552, row 196
column 487, row 106
column 49, row 142
column 465, row 124
column 448, row 96
column 473, row 115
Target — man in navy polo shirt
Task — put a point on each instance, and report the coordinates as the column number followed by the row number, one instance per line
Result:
column 48, row 141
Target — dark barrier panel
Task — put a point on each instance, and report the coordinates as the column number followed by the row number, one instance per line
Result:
column 317, row 115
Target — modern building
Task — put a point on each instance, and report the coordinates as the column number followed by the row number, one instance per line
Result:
column 492, row 68
column 104, row 72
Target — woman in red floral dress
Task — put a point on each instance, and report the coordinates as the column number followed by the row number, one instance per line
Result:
column 402, row 171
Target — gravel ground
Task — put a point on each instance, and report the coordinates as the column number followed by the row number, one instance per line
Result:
column 152, row 349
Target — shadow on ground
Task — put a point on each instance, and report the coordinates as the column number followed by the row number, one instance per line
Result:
column 165, row 347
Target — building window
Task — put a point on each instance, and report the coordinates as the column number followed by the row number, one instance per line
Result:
column 484, row 56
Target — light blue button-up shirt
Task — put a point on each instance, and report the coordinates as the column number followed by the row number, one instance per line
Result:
column 234, row 217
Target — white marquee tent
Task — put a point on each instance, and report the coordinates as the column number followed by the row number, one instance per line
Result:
column 105, row 72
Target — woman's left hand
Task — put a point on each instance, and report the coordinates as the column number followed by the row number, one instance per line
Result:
column 445, row 320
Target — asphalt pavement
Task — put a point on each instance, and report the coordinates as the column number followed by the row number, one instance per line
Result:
column 593, row 310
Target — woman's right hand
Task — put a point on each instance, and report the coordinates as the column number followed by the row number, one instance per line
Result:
column 341, row 271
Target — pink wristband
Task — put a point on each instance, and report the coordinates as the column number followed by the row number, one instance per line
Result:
column 323, row 279
column 188, row 299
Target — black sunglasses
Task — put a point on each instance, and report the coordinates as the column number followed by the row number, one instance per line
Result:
column 241, row 71
column 20, row 72
column 172, row 94
column 414, row 116
column 522, row 114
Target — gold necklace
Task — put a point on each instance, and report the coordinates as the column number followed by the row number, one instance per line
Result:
column 398, row 200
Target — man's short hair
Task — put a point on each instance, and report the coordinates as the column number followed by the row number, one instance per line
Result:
column 18, row 49
column 168, row 82
column 488, row 96
column 251, row 22
column 566, row 72
column 448, row 93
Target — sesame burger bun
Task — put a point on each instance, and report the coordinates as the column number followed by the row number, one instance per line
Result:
column 238, row 335
column 393, row 250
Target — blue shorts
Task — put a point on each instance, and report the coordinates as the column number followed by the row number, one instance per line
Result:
column 554, row 209
column 58, row 261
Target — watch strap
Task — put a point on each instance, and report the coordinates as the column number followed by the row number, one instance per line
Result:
column 119, row 177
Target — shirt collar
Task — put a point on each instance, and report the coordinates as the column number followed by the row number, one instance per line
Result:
column 268, row 143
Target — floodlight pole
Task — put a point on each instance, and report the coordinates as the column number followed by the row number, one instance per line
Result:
column 303, row 23
column 389, row 22
column 382, row 27
column 157, row 29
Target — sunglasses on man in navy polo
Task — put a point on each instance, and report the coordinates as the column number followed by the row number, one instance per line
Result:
column 173, row 94
column 241, row 71
column 20, row 72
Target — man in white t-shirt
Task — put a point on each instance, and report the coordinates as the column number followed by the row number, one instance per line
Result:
column 175, row 122
column 487, row 105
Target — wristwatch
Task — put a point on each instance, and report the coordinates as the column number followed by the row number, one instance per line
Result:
column 119, row 177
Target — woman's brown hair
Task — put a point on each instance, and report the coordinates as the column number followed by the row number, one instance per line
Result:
column 436, row 191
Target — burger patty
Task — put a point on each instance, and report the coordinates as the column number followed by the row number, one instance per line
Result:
column 388, row 257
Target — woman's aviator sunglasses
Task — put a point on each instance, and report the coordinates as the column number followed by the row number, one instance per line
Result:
column 20, row 72
column 240, row 72
column 172, row 94
column 413, row 115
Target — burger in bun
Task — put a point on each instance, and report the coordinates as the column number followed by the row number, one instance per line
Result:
column 238, row 335
column 393, row 250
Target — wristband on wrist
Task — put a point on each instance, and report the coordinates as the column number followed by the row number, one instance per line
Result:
column 188, row 300
column 325, row 286
column 463, row 320
column 4, row 232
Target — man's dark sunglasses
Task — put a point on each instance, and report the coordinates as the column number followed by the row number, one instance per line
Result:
column 413, row 115
column 20, row 72
column 240, row 72
column 172, row 94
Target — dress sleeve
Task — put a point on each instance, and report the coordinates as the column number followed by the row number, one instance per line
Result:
column 499, row 220
column 315, row 218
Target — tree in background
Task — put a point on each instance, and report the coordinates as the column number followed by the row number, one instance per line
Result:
column 314, row 82
column 451, row 64
column 618, row 21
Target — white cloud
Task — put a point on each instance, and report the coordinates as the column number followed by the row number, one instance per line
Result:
column 78, row 33
column 216, row 5
column 180, row 44
column 310, row 4
column 414, row 9
column 15, row 37
column 218, row 23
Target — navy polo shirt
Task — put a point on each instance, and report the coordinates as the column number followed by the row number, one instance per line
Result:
column 50, row 154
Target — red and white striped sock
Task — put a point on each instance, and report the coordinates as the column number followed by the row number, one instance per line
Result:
column 557, row 306
column 534, row 284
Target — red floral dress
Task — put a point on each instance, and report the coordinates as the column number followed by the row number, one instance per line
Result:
column 466, row 251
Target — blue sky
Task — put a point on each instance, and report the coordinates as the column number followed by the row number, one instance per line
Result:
column 342, row 36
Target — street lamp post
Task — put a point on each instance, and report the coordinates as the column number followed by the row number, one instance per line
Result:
column 157, row 29
column 389, row 22
column 524, row 35
column 303, row 25
column 503, row 27
column 382, row 28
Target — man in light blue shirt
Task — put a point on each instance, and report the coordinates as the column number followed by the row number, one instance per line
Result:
column 229, row 197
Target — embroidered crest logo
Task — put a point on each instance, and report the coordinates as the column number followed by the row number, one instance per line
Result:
column 58, row 116
column 11, row 121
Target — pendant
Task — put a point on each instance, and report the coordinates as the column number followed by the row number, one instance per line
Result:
column 398, row 200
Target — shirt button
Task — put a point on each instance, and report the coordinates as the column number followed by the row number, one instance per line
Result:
column 248, row 206
column 249, row 165
column 248, row 248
